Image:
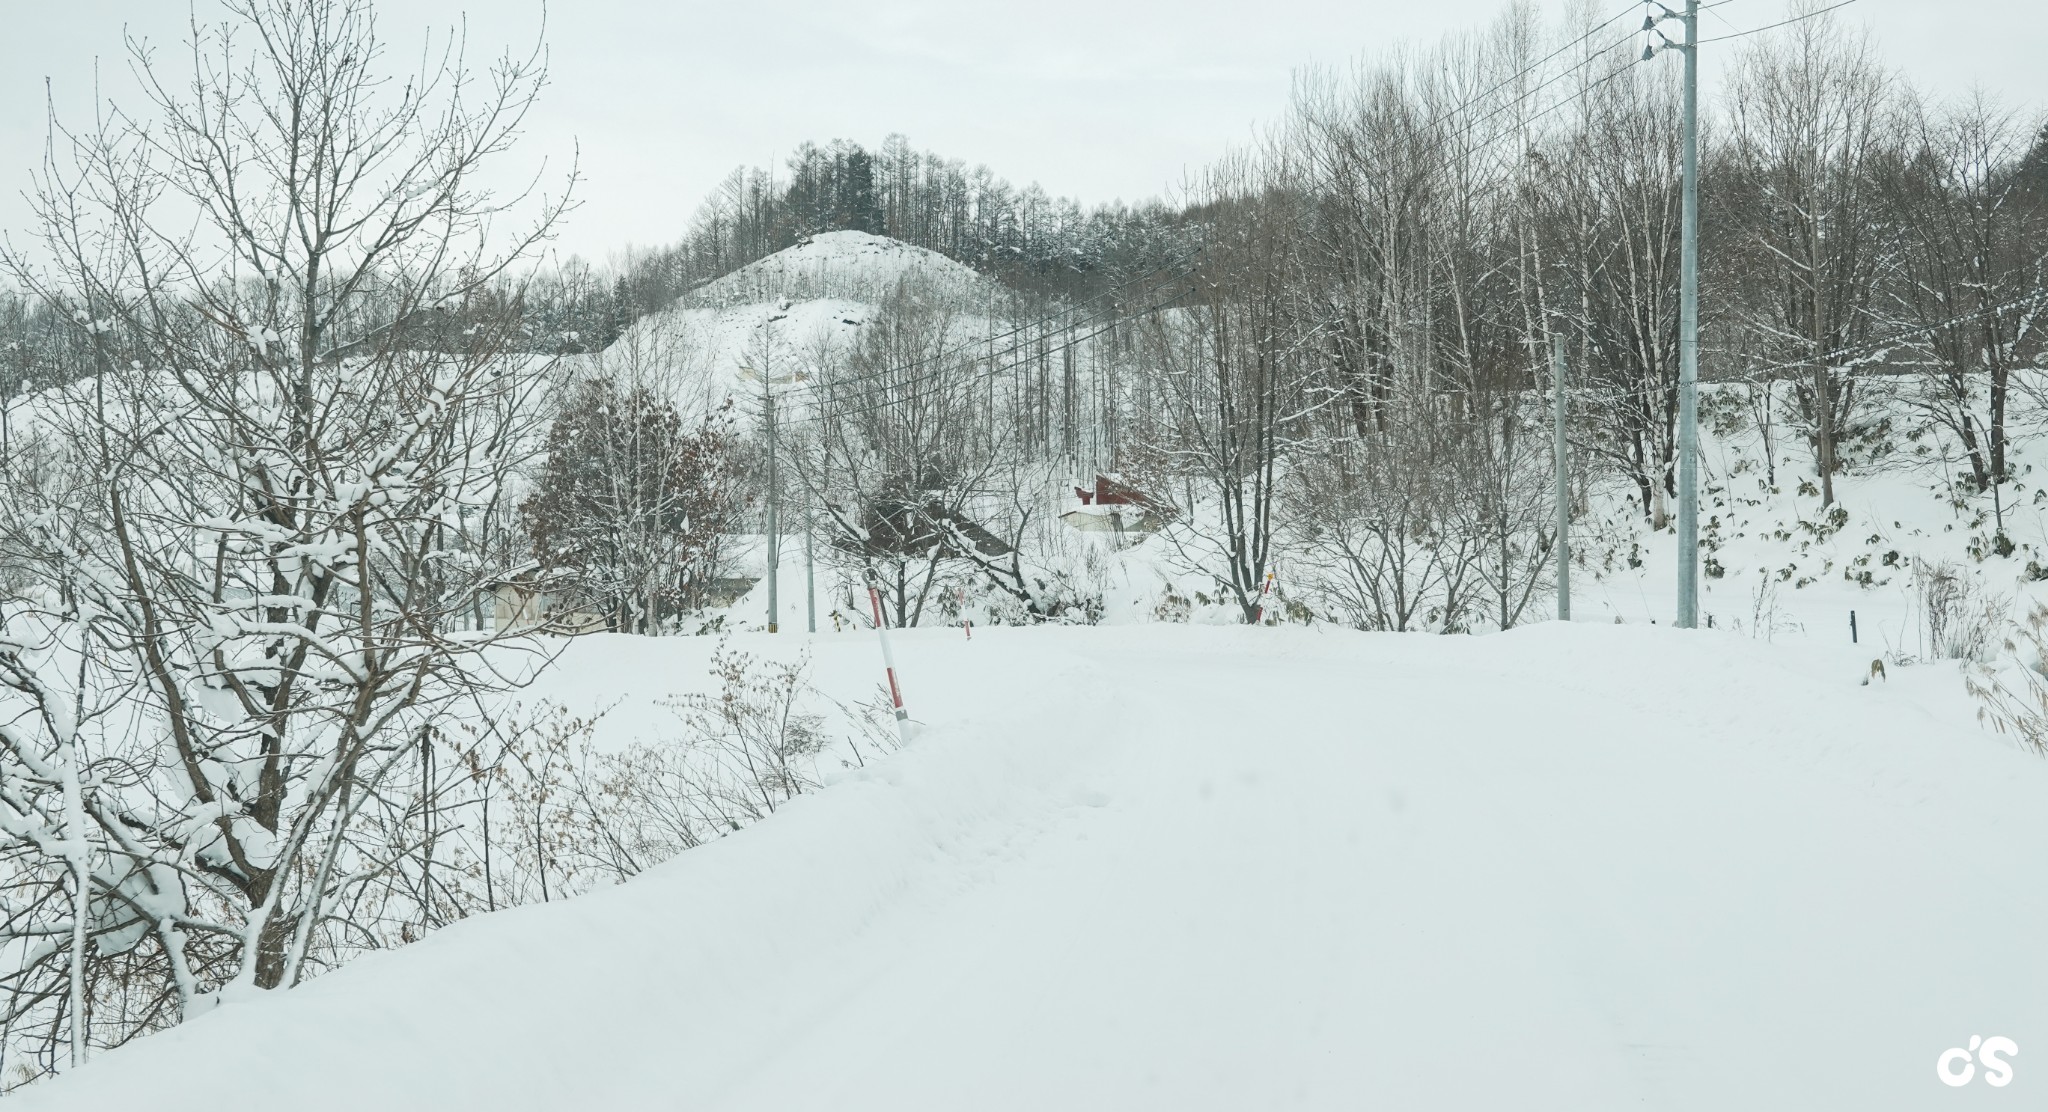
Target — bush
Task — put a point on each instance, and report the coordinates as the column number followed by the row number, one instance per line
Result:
column 1962, row 620
column 2014, row 700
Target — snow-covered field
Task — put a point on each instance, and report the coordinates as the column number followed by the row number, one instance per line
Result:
column 1171, row 867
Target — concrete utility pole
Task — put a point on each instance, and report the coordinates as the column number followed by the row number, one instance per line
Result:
column 1564, row 498
column 774, row 522
column 810, row 575
column 774, row 488
column 1689, row 339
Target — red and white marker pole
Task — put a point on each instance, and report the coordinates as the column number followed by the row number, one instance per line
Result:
column 889, row 661
column 1265, row 596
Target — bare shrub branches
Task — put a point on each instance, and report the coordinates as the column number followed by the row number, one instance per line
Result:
column 255, row 594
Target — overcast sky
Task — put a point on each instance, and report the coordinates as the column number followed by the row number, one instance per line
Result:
column 1097, row 99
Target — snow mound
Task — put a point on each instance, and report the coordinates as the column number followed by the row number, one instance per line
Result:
column 1171, row 867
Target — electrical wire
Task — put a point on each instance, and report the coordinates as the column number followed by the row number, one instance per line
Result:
column 1781, row 23
column 891, row 376
column 1769, row 371
column 927, row 386
column 1043, row 323
column 1039, row 326
column 922, row 386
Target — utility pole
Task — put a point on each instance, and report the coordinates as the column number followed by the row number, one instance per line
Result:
column 1564, row 500
column 774, row 487
column 1688, row 318
column 1689, row 338
column 810, row 575
column 774, row 522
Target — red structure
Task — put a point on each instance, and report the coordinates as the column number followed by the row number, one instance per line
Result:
column 1109, row 492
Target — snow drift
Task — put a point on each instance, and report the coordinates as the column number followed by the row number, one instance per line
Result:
column 1567, row 867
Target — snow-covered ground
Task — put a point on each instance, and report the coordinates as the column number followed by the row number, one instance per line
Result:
column 1781, row 566
column 1163, row 867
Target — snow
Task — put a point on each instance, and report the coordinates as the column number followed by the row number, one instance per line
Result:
column 1182, row 867
column 815, row 296
column 838, row 264
column 1788, row 572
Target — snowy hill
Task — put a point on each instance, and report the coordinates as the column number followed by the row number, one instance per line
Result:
column 788, row 311
column 1569, row 867
column 840, row 265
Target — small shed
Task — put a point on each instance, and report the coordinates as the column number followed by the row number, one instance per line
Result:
column 1113, row 506
column 520, row 602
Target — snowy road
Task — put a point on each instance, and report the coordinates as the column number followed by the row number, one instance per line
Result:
column 1171, row 868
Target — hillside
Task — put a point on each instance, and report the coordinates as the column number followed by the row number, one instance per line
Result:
column 1231, row 869
column 842, row 264
column 1778, row 564
column 786, row 309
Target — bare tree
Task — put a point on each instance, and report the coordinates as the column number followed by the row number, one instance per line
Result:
column 900, row 447
column 1374, row 519
column 1814, row 112
column 1232, row 365
column 1972, row 269
column 1612, row 185
column 260, row 590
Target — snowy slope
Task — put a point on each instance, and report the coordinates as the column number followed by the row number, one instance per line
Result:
column 845, row 265
column 1781, row 566
column 787, row 309
column 1569, row 867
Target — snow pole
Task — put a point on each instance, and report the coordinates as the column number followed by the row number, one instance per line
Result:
column 1265, row 596
column 888, row 659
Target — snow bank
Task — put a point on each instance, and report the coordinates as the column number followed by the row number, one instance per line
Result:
column 1184, row 868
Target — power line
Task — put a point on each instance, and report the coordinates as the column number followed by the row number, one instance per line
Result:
column 1041, row 325
column 1038, row 326
column 900, row 376
column 1447, row 116
column 893, row 377
column 930, row 385
column 1781, row 23
column 1719, row 16
column 1870, row 346
column 1538, row 64
column 1582, row 64
column 1769, row 371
